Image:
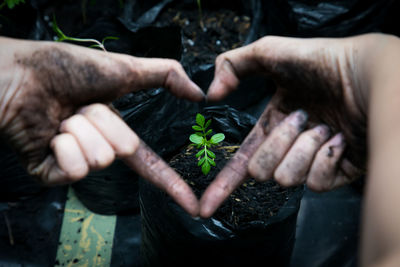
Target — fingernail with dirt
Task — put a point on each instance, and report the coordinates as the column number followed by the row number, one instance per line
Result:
column 323, row 130
column 337, row 140
column 298, row 119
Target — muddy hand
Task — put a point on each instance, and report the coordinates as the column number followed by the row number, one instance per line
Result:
column 322, row 142
column 43, row 87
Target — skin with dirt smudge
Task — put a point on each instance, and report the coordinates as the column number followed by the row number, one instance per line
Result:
column 48, row 110
column 315, row 75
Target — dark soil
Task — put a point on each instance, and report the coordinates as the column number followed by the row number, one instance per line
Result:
column 223, row 30
column 252, row 201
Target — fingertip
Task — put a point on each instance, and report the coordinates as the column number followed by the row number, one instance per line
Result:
column 210, row 201
column 206, row 208
column 197, row 94
column 225, row 80
column 206, row 211
column 193, row 208
column 220, row 88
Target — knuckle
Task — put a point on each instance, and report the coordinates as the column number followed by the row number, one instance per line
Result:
column 176, row 187
column 102, row 159
column 220, row 58
column 56, row 140
column 94, row 110
column 72, row 122
column 174, row 66
column 285, row 178
column 76, row 172
column 128, row 148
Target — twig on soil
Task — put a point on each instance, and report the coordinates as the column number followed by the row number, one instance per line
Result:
column 10, row 235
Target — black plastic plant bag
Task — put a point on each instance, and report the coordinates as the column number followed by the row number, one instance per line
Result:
column 329, row 18
column 171, row 237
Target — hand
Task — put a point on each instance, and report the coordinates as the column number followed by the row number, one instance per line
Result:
column 324, row 143
column 47, row 91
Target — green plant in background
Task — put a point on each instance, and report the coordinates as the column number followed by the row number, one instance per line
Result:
column 205, row 156
column 11, row 3
column 95, row 43
column 200, row 15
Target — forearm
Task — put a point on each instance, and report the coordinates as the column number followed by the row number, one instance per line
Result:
column 381, row 220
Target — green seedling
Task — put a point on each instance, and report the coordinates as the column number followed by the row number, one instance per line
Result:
column 205, row 156
column 11, row 3
column 201, row 23
column 95, row 43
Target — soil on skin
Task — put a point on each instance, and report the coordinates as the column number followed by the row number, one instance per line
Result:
column 252, row 201
column 223, row 30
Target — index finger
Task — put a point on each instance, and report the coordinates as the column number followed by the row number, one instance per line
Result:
column 235, row 171
column 151, row 167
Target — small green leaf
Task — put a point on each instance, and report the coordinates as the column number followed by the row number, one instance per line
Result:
column 207, row 124
column 12, row 3
column 211, row 161
column 196, row 139
column 208, row 132
column 200, row 153
column 216, row 138
column 201, row 161
column 200, row 119
column 197, row 128
column 205, row 168
column 211, row 154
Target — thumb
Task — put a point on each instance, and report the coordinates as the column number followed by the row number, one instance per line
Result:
column 81, row 75
column 269, row 55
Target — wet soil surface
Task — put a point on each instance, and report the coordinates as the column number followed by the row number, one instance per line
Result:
column 252, row 201
column 218, row 31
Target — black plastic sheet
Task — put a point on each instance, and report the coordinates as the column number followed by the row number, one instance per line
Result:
column 171, row 237
column 30, row 228
column 329, row 18
column 291, row 18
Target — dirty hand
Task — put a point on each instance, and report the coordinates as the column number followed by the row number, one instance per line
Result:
column 313, row 130
column 48, row 113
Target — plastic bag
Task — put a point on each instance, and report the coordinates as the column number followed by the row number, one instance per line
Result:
column 329, row 18
column 170, row 237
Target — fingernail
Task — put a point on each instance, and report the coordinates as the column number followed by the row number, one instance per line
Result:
column 298, row 118
column 337, row 140
column 322, row 130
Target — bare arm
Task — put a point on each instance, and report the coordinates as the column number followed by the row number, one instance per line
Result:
column 381, row 228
